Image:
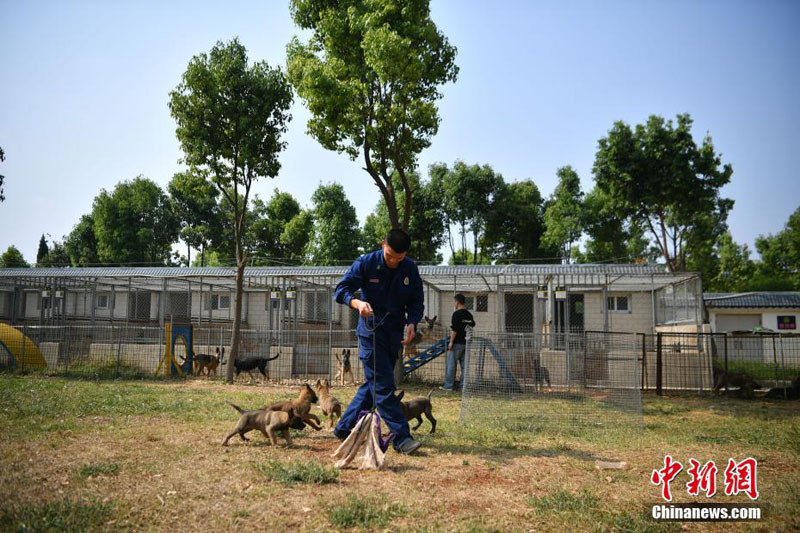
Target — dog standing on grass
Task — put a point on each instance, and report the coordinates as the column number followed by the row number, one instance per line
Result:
column 249, row 364
column 345, row 367
column 330, row 406
column 540, row 374
column 267, row 422
column 207, row 362
column 416, row 408
column 301, row 406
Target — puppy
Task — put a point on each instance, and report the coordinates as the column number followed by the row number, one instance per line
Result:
column 330, row 406
column 207, row 362
column 249, row 364
column 416, row 408
column 267, row 422
column 214, row 363
column 345, row 367
column 410, row 349
column 744, row 382
column 301, row 406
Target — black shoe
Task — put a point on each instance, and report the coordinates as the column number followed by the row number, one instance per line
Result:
column 340, row 435
column 408, row 446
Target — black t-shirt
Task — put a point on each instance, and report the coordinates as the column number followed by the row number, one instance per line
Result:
column 461, row 319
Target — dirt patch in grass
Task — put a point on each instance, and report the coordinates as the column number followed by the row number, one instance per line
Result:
column 172, row 473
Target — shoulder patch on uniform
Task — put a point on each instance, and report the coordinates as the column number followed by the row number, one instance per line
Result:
column 406, row 281
column 374, row 280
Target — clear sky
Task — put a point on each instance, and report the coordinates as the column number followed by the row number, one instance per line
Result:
column 84, row 88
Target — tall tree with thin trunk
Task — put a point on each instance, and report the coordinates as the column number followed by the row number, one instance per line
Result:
column 231, row 116
column 370, row 75
column 658, row 176
column 564, row 214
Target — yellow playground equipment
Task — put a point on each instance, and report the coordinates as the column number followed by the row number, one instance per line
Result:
column 22, row 352
column 176, row 364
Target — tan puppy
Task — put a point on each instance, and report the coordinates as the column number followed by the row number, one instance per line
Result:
column 345, row 368
column 330, row 406
column 267, row 422
column 410, row 349
column 301, row 406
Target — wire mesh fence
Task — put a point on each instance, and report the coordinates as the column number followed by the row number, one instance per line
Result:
column 522, row 381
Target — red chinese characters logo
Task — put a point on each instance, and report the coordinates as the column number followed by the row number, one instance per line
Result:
column 742, row 477
column 664, row 476
column 703, row 479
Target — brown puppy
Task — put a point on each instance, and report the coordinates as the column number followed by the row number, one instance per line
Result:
column 330, row 406
column 416, row 408
column 345, row 367
column 301, row 406
column 214, row 363
column 267, row 422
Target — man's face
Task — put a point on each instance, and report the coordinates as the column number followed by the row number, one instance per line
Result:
column 391, row 257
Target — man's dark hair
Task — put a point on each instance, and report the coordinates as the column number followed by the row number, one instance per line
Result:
column 398, row 240
column 460, row 299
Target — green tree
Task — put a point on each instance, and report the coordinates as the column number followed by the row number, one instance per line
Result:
column 370, row 75
column 297, row 234
column 81, row 244
column 658, row 176
column 2, row 178
column 231, row 117
column 336, row 232
column 42, row 252
column 563, row 214
column 12, row 258
column 515, row 223
column 735, row 266
column 611, row 239
column 57, row 256
column 780, row 256
column 270, row 221
column 195, row 201
column 426, row 226
column 134, row 224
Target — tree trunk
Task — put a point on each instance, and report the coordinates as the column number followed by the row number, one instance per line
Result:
column 203, row 254
column 237, row 319
column 188, row 255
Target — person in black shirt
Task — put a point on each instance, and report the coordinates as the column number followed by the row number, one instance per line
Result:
column 458, row 341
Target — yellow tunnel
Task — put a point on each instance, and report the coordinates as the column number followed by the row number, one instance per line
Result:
column 23, row 352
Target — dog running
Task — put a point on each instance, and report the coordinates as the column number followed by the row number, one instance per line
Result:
column 207, row 362
column 416, row 408
column 301, row 406
column 267, row 422
column 248, row 364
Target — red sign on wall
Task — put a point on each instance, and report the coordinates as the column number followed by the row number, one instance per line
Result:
column 787, row 322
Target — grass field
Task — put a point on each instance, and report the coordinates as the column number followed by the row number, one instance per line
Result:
column 146, row 455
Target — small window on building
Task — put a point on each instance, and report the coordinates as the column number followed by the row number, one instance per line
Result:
column 619, row 303
column 482, row 303
column 219, row 301
column 103, row 301
column 469, row 302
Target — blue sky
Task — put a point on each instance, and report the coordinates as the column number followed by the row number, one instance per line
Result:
column 84, row 91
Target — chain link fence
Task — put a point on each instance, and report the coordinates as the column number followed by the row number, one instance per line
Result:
column 527, row 381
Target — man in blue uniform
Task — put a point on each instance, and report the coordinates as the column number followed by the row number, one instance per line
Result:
column 389, row 307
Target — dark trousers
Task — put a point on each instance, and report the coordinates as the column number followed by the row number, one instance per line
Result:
column 378, row 363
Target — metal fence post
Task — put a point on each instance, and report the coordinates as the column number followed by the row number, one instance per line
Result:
column 775, row 359
column 783, row 373
column 25, row 336
column 659, row 344
column 119, row 347
column 725, row 345
column 644, row 361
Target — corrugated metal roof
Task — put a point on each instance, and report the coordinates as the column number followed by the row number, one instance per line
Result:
column 738, row 300
column 226, row 272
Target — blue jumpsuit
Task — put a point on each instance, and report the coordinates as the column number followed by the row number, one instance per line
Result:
column 397, row 292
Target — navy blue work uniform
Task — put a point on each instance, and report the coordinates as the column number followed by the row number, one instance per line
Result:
column 398, row 292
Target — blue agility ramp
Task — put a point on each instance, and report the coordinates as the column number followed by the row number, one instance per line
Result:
column 425, row 357
column 479, row 346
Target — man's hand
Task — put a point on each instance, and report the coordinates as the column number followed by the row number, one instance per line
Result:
column 363, row 308
column 410, row 333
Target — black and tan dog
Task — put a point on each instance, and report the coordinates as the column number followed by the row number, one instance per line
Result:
column 416, row 408
column 301, row 406
column 207, row 362
column 410, row 349
column 267, row 422
column 330, row 406
column 345, row 367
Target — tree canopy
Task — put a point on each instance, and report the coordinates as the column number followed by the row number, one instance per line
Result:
column 134, row 224
column 515, row 224
column 336, row 233
column 370, row 75
column 81, row 243
column 195, row 202
column 12, row 258
column 659, row 177
column 564, row 213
